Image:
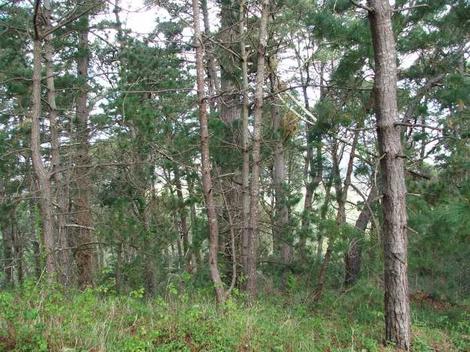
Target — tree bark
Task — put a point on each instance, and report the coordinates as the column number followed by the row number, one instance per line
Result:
column 44, row 184
column 255, row 172
column 63, row 254
column 245, row 146
column 214, row 84
column 397, row 308
column 85, row 255
column 205, row 159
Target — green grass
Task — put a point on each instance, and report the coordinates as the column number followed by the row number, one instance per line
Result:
column 38, row 319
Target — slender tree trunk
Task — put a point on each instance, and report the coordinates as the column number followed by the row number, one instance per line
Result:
column 255, row 172
column 118, row 268
column 43, row 177
column 341, row 193
column 205, row 158
column 195, row 247
column 313, row 165
column 85, row 254
column 63, row 254
column 245, row 146
column 230, row 106
column 353, row 256
column 214, row 84
column 183, row 221
column 281, row 219
column 18, row 247
column 7, row 239
column 397, row 307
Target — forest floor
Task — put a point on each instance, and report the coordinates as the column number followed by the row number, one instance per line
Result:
column 38, row 319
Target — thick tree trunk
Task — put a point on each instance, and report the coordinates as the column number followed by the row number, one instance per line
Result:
column 85, row 253
column 353, row 256
column 43, row 177
column 205, row 159
column 397, row 308
column 255, row 172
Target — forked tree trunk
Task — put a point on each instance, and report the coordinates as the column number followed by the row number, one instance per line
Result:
column 397, row 308
column 205, row 159
column 255, row 172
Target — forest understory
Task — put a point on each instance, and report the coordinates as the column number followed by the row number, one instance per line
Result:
column 234, row 175
column 185, row 319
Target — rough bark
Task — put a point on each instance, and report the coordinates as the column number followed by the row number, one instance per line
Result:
column 85, row 255
column 214, row 84
column 205, row 159
column 255, row 172
column 397, row 308
column 245, row 145
column 42, row 174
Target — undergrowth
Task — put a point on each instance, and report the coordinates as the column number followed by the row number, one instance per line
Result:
column 41, row 319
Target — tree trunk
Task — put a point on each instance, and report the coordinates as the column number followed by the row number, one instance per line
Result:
column 43, row 177
column 230, row 107
column 214, row 84
column 353, row 256
column 63, row 254
column 397, row 308
column 281, row 219
column 255, row 172
column 313, row 164
column 205, row 159
column 7, row 239
column 183, row 221
column 18, row 244
column 85, row 255
column 341, row 193
column 245, row 146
